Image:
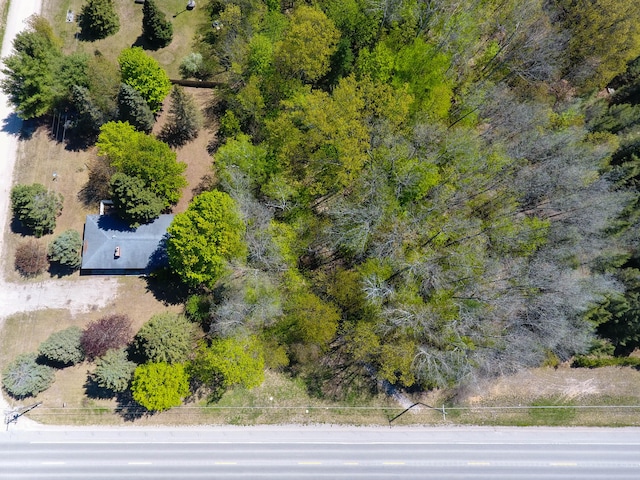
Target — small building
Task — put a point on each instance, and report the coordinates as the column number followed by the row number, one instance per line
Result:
column 111, row 247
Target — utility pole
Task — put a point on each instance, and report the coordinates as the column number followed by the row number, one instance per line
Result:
column 13, row 416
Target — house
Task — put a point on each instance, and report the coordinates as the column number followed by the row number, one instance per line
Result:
column 111, row 247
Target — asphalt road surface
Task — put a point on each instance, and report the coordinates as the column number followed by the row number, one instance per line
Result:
column 307, row 453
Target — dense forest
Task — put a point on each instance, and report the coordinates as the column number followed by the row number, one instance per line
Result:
column 419, row 191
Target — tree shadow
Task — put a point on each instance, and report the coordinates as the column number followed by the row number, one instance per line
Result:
column 129, row 409
column 167, row 287
column 145, row 44
column 12, row 124
column 95, row 391
column 58, row 270
column 18, row 228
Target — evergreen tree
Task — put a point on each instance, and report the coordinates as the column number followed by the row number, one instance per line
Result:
column 184, row 119
column 134, row 203
column 35, row 207
column 24, row 377
column 63, row 347
column 155, row 27
column 98, row 19
column 114, row 371
column 66, row 249
column 133, row 108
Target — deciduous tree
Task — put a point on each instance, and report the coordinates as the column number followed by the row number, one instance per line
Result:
column 31, row 258
column 205, row 237
column 145, row 74
column 228, row 362
column 139, row 155
column 159, row 386
column 106, row 333
column 307, row 45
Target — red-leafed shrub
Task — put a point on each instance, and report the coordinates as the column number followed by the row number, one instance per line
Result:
column 112, row 331
column 31, row 258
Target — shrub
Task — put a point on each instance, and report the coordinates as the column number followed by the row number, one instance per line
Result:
column 66, row 249
column 31, row 258
column 109, row 332
column 24, row 377
column 114, row 371
column 595, row 362
column 63, row 347
column 194, row 66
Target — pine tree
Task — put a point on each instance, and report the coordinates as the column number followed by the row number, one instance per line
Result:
column 184, row 119
column 155, row 27
column 66, row 249
column 134, row 109
column 98, row 19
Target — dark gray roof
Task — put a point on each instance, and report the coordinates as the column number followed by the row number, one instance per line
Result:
column 141, row 249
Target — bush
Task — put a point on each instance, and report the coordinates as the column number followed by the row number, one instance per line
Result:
column 595, row 362
column 166, row 337
column 194, row 66
column 24, row 377
column 66, row 249
column 31, row 258
column 35, row 207
column 109, row 332
column 114, row 371
column 63, row 347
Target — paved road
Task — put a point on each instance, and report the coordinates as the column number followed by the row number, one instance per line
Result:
column 271, row 453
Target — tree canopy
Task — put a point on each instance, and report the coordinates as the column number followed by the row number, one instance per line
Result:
column 36, row 207
column 205, row 238
column 142, row 72
column 159, row 386
column 98, row 19
column 24, row 377
column 167, row 338
column 138, row 155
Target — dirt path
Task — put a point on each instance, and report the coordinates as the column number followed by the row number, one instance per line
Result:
column 78, row 295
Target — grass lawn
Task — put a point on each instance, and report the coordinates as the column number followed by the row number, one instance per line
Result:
column 185, row 24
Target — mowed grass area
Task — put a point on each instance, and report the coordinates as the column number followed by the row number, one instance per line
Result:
column 185, row 25
column 23, row 333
